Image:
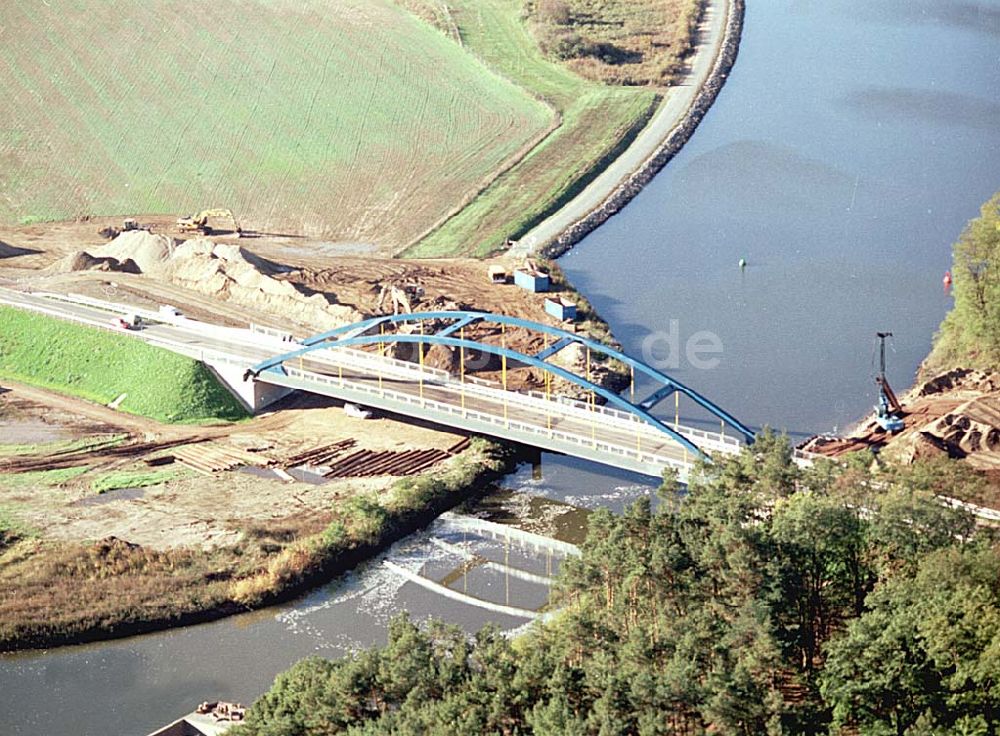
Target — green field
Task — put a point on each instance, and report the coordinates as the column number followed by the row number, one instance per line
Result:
column 597, row 121
column 100, row 366
column 349, row 120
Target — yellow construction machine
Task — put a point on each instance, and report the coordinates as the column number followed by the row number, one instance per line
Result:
column 199, row 222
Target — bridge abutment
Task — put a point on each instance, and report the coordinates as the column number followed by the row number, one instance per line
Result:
column 254, row 395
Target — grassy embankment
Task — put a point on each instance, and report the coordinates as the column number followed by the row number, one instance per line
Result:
column 349, row 121
column 54, row 592
column 100, row 366
column 597, row 122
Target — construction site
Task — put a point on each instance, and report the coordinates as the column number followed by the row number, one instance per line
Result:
column 78, row 472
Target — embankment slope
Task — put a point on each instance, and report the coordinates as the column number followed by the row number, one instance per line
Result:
column 101, row 366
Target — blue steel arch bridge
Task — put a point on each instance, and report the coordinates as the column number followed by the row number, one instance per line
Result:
column 350, row 363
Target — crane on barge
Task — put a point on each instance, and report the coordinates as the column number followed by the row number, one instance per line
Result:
column 888, row 411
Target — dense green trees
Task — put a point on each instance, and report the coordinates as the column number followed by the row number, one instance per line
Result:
column 766, row 600
column 970, row 334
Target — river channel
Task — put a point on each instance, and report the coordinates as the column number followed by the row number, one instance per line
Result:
column 851, row 143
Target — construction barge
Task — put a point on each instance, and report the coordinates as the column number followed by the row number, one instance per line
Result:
column 209, row 719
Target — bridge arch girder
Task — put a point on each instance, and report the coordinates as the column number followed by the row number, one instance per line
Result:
column 475, row 316
column 433, row 339
column 354, row 335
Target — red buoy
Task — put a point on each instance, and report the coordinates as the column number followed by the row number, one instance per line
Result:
column 947, row 281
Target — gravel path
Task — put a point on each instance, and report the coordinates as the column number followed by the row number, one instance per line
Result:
column 671, row 113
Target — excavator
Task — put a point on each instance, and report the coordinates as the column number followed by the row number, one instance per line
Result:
column 888, row 411
column 402, row 298
column 199, row 222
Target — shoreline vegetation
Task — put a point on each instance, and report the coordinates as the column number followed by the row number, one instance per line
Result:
column 969, row 336
column 625, row 42
column 768, row 598
column 56, row 593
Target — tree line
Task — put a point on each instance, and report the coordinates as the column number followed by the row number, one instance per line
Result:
column 970, row 334
column 762, row 599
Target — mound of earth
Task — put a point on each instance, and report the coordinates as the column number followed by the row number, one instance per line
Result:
column 957, row 379
column 148, row 250
column 83, row 261
column 974, row 428
column 230, row 273
column 919, row 446
column 226, row 272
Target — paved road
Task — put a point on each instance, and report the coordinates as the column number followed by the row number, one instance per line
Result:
column 591, row 432
column 678, row 100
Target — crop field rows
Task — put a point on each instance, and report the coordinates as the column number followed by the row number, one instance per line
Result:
column 351, row 120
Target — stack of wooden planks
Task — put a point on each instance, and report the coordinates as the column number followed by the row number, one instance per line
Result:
column 367, row 463
column 215, row 458
column 462, row 444
column 321, row 455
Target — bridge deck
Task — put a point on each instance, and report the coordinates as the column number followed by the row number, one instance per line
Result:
column 550, row 426
column 593, row 433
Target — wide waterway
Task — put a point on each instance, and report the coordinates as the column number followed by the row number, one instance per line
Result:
column 851, row 143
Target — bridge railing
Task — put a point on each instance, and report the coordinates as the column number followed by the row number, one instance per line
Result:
column 710, row 441
column 508, row 424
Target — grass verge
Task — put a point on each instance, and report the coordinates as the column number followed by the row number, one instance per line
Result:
column 131, row 479
column 42, row 478
column 81, row 444
column 100, row 366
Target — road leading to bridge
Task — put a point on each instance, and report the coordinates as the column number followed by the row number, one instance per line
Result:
column 590, row 432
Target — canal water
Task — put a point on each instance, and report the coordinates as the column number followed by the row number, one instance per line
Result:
column 850, row 145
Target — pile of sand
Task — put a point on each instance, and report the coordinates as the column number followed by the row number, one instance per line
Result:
column 226, row 272
column 232, row 274
column 148, row 251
